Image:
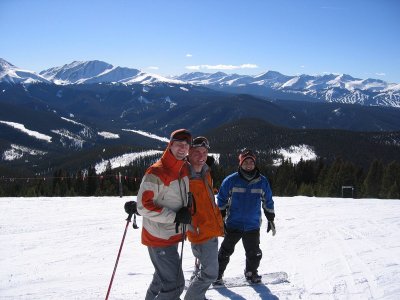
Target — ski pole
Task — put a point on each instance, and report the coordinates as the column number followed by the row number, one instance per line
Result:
column 119, row 253
column 196, row 269
column 189, row 205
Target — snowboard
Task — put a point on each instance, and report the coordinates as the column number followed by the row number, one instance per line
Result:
column 239, row 281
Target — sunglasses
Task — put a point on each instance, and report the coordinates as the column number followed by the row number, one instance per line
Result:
column 200, row 142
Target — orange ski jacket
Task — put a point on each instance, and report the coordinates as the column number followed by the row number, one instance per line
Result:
column 207, row 220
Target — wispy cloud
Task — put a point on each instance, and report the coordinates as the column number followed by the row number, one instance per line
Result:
column 189, row 55
column 222, row 67
column 152, row 68
column 380, row 74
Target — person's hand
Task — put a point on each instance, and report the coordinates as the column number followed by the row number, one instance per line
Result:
column 183, row 216
column 223, row 213
column 271, row 227
column 269, row 215
column 131, row 207
column 225, row 231
column 210, row 160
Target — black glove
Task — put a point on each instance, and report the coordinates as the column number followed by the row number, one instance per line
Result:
column 183, row 216
column 131, row 208
column 269, row 215
column 225, row 231
column 210, row 160
column 223, row 213
column 271, row 226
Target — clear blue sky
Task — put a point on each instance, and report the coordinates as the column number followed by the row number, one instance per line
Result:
column 168, row 37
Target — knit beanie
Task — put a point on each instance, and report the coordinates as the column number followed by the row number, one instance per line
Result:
column 245, row 155
column 181, row 135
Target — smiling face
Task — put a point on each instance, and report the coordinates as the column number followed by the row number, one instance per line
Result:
column 198, row 157
column 179, row 149
column 248, row 164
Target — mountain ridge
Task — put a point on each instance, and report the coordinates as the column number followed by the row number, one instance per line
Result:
column 44, row 125
column 341, row 88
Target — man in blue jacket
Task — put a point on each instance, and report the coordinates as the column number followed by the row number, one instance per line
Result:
column 240, row 198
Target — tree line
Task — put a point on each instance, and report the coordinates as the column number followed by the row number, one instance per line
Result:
column 318, row 178
column 339, row 179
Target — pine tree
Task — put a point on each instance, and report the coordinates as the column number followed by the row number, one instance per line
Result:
column 109, row 183
column 60, row 183
column 372, row 183
column 394, row 191
column 79, row 186
column 284, row 183
column 306, row 190
column 305, row 172
column 92, row 184
column 320, row 189
column 44, row 188
column 333, row 180
column 290, row 189
column 390, row 177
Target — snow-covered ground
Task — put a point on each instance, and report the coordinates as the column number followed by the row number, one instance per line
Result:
column 22, row 128
column 65, row 248
column 295, row 153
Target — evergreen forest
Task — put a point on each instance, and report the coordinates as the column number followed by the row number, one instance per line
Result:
column 320, row 178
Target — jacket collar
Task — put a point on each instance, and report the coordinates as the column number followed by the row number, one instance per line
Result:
column 194, row 174
column 247, row 177
column 170, row 162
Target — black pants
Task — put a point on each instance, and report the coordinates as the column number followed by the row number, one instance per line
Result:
column 251, row 244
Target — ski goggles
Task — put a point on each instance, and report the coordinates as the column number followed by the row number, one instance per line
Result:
column 200, row 141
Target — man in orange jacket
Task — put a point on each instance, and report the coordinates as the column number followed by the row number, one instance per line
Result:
column 206, row 221
column 162, row 201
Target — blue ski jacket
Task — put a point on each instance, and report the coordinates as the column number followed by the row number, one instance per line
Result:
column 243, row 200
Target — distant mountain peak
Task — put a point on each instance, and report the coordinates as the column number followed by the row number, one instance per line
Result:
column 14, row 75
column 218, row 74
column 5, row 65
column 346, row 77
column 272, row 78
column 269, row 74
column 76, row 71
column 96, row 71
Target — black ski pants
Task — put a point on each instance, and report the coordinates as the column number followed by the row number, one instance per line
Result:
column 251, row 244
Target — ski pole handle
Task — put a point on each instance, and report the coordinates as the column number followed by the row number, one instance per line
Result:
column 129, row 218
column 134, row 225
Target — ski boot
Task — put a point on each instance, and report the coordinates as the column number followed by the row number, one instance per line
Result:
column 219, row 280
column 252, row 277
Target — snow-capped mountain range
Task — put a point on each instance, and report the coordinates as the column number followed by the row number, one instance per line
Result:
column 276, row 80
column 80, row 72
column 12, row 74
column 326, row 88
column 273, row 85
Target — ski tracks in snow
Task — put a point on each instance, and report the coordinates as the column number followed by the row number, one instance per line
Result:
column 357, row 278
column 355, row 252
column 364, row 260
column 65, row 248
